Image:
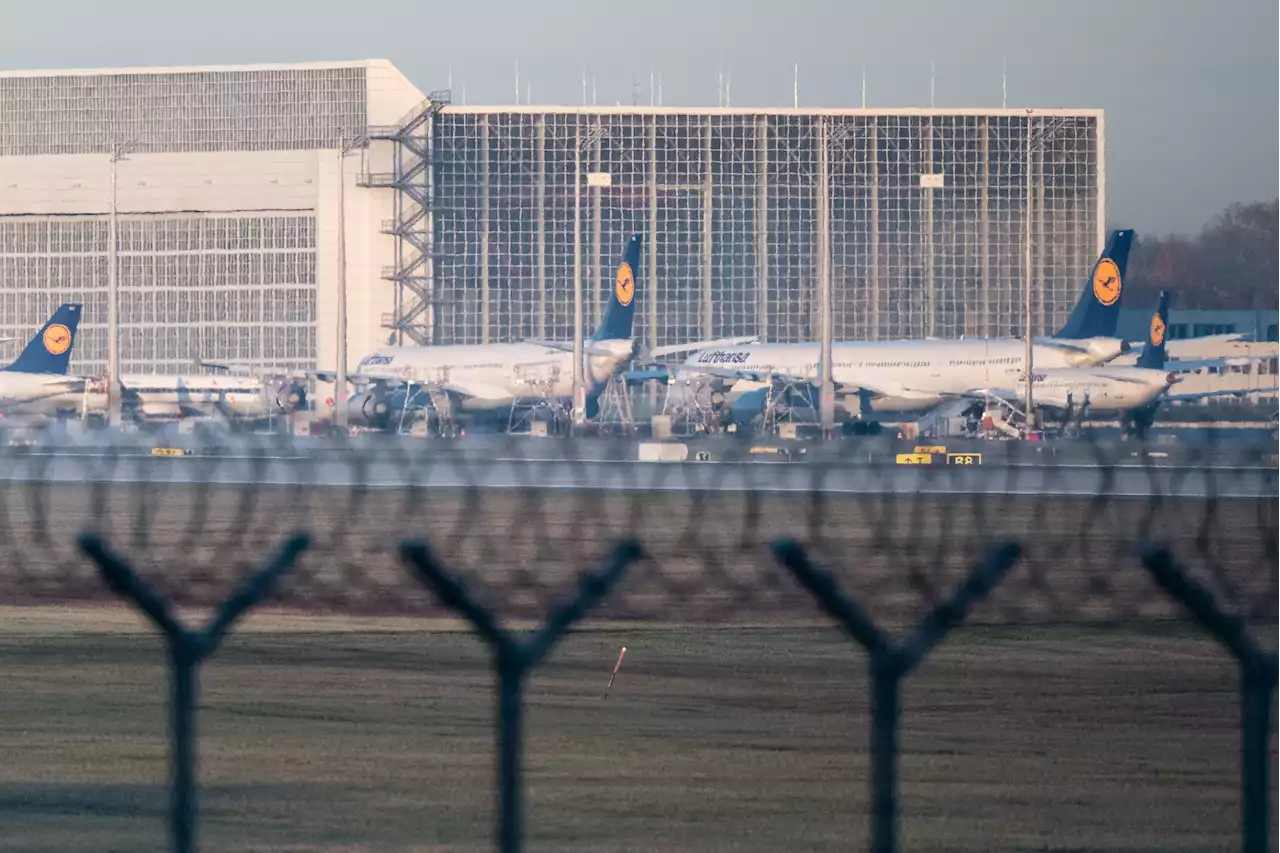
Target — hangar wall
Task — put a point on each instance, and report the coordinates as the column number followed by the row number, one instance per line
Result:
column 227, row 207
column 925, row 213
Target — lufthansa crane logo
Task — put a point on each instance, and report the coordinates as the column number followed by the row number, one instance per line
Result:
column 1157, row 330
column 1106, row 282
column 57, row 339
column 625, row 285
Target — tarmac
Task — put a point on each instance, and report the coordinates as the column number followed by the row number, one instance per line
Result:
column 517, row 467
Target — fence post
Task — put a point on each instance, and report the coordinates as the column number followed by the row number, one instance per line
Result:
column 188, row 648
column 184, row 660
column 514, row 659
column 886, row 695
column 1258, row 671
column 511, row 675
column 1257, row 685
column 890, row 664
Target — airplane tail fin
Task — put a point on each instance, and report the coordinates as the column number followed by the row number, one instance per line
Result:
column 1153, row 352
column 1098, row 309
column 50, row 350
column 622, row 300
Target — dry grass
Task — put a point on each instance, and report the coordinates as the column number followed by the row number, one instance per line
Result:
column 713, row 740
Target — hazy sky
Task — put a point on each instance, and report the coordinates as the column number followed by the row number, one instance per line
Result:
column 1190, row 88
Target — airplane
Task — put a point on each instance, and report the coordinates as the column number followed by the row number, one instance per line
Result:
column 157, row 397
column 1108, row 388
column 918, row 375
column 151, row 398
column 1132, row 392
column 40, row 370
column 480, row 379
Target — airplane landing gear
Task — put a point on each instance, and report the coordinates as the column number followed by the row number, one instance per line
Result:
column 863, row 428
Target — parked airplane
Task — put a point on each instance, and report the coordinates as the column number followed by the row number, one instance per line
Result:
column 485, row 378
column 240, row 398
column 40, row 371
column 918, row 375
column 1132, row 392
column 1108, row 388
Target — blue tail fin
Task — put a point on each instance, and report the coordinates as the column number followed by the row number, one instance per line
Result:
column 1153, row 352
column 50, row 350
column 622, row 299
column 1096, row 313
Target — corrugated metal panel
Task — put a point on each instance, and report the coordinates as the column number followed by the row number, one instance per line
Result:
column 212, row 181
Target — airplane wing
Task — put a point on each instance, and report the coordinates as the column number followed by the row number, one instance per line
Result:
column 1226, row 338
column 880, row 388
column 476, row 390
column 1177, row 365
column 1061, row 346
column 671, row 349
column 884, row 388
column 1200, row 395
column 238, row 369
column 1009, row 396
column 588, row 347
column 353, row 379
column 634, row 377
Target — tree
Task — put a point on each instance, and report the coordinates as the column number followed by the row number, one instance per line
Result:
column 1234, row 262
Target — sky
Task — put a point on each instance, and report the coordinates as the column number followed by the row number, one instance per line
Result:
column 1190, row 89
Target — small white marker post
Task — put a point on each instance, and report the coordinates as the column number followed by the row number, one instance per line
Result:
column 616, row 667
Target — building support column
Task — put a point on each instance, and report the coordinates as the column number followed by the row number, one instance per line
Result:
column 484, row 229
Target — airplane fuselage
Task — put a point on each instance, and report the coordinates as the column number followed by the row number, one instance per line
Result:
column 924, row 371
column 1108, row 389
column 24, row 389
column 484, row 377
column 162, row 396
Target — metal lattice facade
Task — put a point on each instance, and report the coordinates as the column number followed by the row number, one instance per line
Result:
column 238, row 289
column 272, row 109
column 731, row 203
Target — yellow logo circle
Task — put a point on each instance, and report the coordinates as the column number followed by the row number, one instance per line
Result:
column 57, row 339
column 625, row 285
column 1157, row 330
column 1106, row 282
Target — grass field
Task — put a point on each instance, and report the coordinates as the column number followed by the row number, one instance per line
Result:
column 712, row 740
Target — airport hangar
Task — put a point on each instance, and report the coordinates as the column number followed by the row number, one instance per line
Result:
column 459, row 220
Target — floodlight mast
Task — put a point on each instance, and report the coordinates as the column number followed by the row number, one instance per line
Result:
column 119, row 151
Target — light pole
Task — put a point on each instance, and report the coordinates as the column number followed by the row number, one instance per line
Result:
column 827, row 394
column 1026, row 260
column 119, row 151
column 1036, row 141
column 340, row 413
column 579, row 391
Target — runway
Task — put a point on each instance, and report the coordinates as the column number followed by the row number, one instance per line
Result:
column 398, row 471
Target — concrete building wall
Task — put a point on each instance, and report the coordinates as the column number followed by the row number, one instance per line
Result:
column 227, row 203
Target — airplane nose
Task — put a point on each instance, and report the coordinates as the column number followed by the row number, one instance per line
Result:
column 1170, row 378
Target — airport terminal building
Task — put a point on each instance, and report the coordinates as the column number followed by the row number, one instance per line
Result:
column 460, row 220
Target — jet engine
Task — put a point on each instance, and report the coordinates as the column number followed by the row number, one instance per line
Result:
column 369, row 409
column 287, row 395
column 1097, row 351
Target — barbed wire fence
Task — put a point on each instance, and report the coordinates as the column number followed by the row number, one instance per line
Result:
column 501, row 532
